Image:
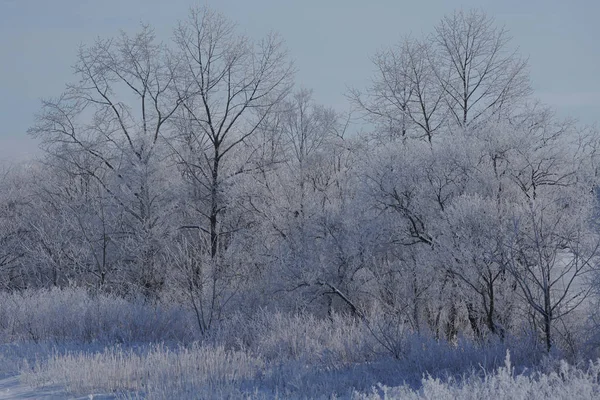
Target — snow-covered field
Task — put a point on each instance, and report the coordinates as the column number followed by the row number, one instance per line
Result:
column 13, row 388
column 61, row 344
column 565, row 383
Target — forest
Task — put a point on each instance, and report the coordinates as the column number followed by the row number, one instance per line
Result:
column 200, row 227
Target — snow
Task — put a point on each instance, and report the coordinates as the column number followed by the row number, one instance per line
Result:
column 12, row 388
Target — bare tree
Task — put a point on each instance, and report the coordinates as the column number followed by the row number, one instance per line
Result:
column 312, row 185
column 474, row 253
column 107, row 127
column 552, row 243
column 13, row 231
column 549, row 254
column 386, row 101
column 230, row 86
column 463, row 73
column 404, row 98
column 479, row 75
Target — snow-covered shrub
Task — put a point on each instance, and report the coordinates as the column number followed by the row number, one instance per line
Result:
column 73, row 315
column 567, row 382
column 262, row 355
column 280, row 337
column 214, row 372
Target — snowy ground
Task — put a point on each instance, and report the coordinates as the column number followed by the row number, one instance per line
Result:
column 46, row 353
column 12, row 388
column 566, row 382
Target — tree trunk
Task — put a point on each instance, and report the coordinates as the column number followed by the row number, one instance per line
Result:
column 214, row 208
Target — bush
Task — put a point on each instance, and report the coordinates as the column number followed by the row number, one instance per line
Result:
column 73, row 315
column 566, row 383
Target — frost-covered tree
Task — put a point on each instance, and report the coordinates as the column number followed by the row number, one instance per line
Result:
column 305, row 203
column 552, row 240
column 13, row 231
column 464, row 72
column 191, row 172
column 479, row 74
column 106, row 127
column 229, row 86
column 404, row 99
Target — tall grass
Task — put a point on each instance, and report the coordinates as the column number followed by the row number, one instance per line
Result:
column 567, row 382
column 155, row 373
column 213, row 372
column 136, row 349
column 74, row 315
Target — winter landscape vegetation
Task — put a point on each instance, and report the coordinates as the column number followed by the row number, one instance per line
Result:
column 199, row 226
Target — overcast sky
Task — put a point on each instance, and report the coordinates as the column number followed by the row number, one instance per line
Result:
column 330, row 40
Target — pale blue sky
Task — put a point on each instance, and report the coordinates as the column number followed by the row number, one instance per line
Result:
column 330, row 40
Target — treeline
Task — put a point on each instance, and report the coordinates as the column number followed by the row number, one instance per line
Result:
column 193, row 171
